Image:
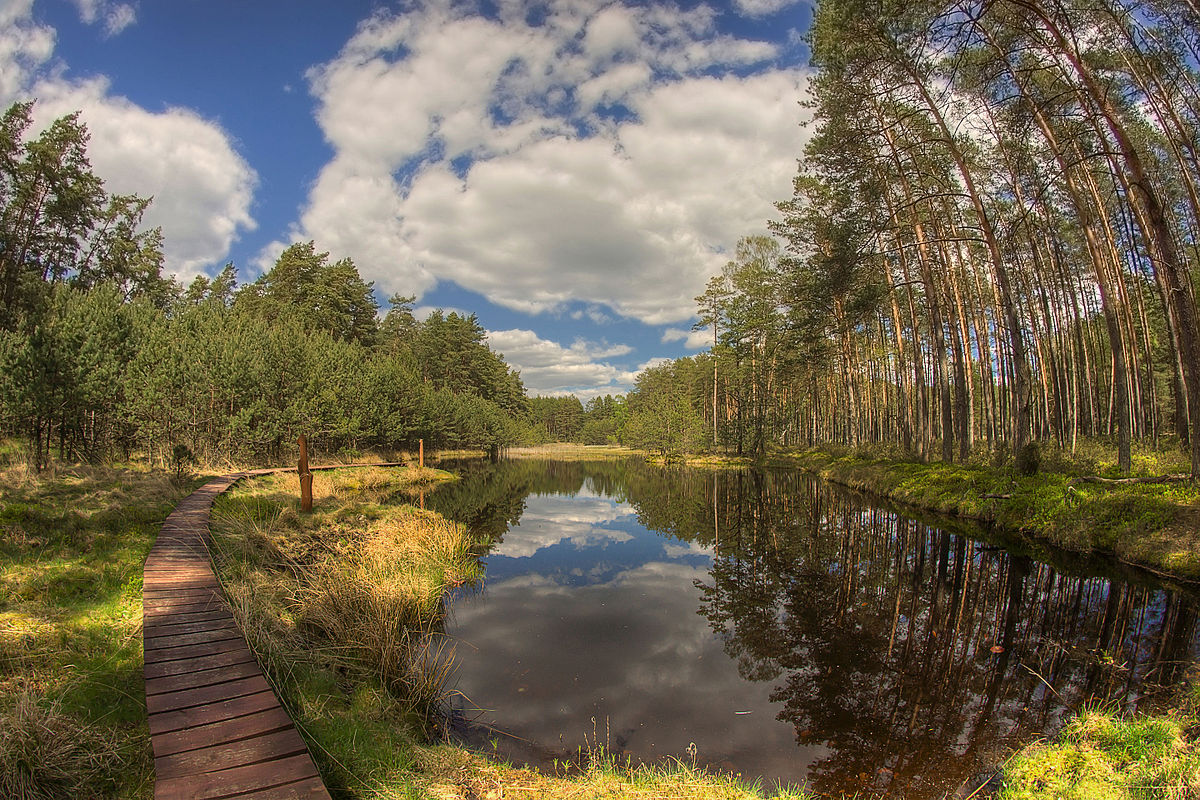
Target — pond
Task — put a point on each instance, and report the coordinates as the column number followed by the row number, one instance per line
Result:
column 781, row 628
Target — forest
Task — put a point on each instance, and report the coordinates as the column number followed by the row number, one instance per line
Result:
column 101, row 357
column 992, row 243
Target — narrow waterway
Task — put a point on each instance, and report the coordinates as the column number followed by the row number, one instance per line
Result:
column 781, row 628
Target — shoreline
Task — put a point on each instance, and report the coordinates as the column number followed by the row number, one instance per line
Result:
column 1148, row 525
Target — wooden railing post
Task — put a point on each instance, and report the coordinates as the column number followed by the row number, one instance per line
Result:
column 421, row 453
column 305, row 476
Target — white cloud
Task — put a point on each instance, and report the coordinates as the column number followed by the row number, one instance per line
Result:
column 115, row 16
column 422, row 313
column 762, row 8
column 118, row 18
column 202, row 188
column 24, row 46
column 582, row 519
column 547, row 367
column 484, row 151
column 692, row 340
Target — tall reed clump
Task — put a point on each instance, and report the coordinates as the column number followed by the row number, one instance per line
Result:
column 47, row 754
column 377, row 604
column 355, row 590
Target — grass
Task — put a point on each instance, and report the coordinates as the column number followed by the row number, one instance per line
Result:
column 72, row 544
column 454, row 774
column 1154, row 525
column 1101, row 756
column 344, row 608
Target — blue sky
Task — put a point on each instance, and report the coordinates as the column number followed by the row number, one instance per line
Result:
column 572, row 171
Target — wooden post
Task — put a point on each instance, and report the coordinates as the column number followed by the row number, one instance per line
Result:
column 305, row 476
column 421, row 453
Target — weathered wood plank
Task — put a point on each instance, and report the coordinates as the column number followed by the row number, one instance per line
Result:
column 276, row 745
column 212, row 712
column 237, row 780
column 197, row 678
column 302, row 790
column 182, row 639
column 190, row 624
column 186, row 698
column 163, row 669
column 227, row 730
column 191, row 651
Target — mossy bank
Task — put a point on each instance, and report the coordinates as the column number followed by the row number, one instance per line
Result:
column 1155, row 525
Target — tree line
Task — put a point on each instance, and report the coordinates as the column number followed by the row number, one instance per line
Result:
column 992, row 241
column 101, row 357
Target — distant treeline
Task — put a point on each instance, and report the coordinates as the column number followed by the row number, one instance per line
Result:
column 101, row 357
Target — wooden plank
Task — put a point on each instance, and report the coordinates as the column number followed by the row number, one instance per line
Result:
column 162, row 669
column 212, row 712
column 193, row 650
column 211, row 605
column 178, row 594
column 227, row 730
column 186, row 698
column 197, row 678
column 184, row 618
column 311, row 789
column 228, row 782
column 269, row 746
column 182, row 639
column 162, row 626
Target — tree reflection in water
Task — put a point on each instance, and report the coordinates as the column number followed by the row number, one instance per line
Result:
column 913, row 655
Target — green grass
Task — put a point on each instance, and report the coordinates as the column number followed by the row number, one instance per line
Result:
column 1100, row 756
column 1155, row 525
column 72, row 710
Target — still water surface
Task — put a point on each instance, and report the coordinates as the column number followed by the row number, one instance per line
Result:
column 790, row 630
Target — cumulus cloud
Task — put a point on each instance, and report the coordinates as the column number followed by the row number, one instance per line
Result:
column 115, row 17
column 24, row 46
column 692, row 340
column 202, row 188
column 761, row 8
column 607, row 156
column 547, row 367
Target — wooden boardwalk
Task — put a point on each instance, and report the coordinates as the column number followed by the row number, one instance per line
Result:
column 216, row 726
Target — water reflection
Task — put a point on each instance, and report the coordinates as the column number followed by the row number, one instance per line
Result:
column 792, row 631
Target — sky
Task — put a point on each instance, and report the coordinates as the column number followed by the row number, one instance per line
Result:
column 571, row 171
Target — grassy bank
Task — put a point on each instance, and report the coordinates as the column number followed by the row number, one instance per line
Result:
column 344, row 608
column 1154, row 525
column 72, row 713
column 1100, row 756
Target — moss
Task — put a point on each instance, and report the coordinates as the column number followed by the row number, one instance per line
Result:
column 1150, row 524
column 1099, row 755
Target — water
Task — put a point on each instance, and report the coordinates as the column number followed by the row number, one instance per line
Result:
column 781, row 628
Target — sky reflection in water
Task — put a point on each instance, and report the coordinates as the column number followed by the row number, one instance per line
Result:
column 829, row 642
